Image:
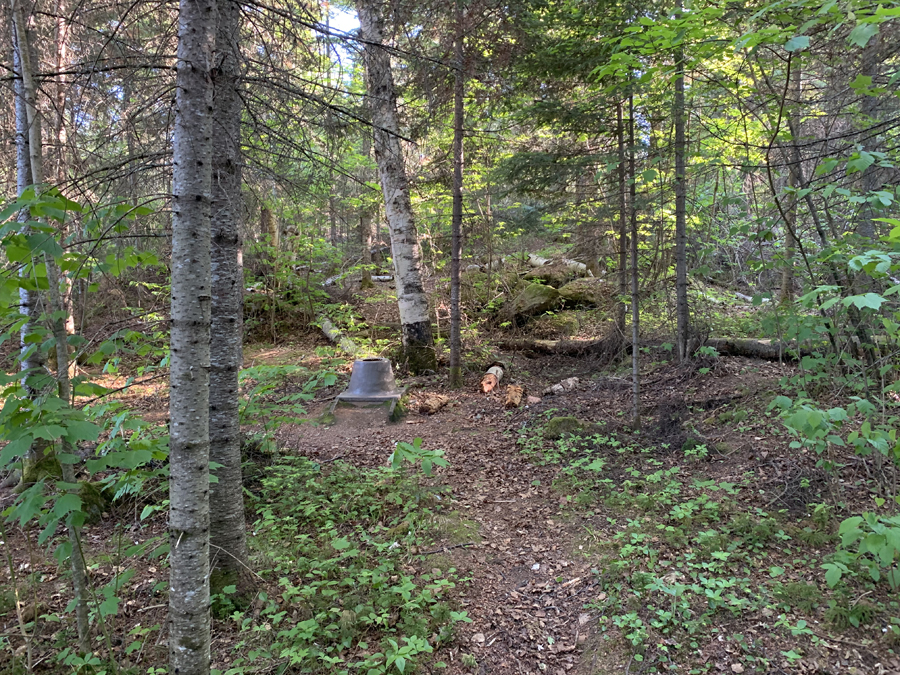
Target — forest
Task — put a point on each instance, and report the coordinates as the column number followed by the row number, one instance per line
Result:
column 472, row 337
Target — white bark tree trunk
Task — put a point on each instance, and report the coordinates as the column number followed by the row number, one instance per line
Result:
column 189, row 622
column 30, row 166
column 411, row 298
column 228, row 531
column 32, row 358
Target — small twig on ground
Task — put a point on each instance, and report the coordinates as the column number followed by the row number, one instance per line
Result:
column 444, row 549
column 147, row 609
column 236, row 559
column 843, row 642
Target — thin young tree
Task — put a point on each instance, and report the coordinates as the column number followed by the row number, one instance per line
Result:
column 32, row 171
column 635, row 275
column 189, row 622
column 682, row 314
column 228, row 531
column 412, row 301
column 623, row 221
column 456, row 224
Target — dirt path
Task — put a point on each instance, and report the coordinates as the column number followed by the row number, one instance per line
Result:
column 528, row 582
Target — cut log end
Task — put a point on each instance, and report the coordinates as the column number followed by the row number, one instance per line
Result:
column 492, row 378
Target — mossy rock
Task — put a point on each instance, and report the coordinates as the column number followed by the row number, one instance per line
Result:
column 587, row 292
column 534, row 299
column 561, row 324
column 553, row 275
column 557, row 427
column 95, row 501
column 39, row 464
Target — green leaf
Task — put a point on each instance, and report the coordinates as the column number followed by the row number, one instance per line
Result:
column 48, row 431
column 15, row 449
column 861, row 35
column 832, row 575
column 861, row 82
column 860, row 161
column 340, row 544
column 66, row 503
column 870, row 300
column 797, row 43
column 79, row 430
column 782, row 402
column 109, row 606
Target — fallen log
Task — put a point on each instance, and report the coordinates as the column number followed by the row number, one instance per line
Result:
column 334, row 334
column 767, row 350
column 492, row 378
column 538, row 261
column 432, row 403
column 610, row 344
column 576, row 266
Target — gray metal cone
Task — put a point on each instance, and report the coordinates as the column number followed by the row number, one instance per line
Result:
column 371, row 380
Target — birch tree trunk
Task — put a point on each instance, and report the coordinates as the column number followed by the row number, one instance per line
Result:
column 62, row 58
column 31, row 357
column 456, row 235
column 418, row 345
column 30, row 166
column 682, row 315
column 189, row 623
column 227, row 531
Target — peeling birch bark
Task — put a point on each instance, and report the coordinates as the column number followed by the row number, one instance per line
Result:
column 412, row 301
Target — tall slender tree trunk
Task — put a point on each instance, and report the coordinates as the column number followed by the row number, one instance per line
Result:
column 227, row 530
column 682, row 314
column 871, row 177
column 32, row 171
column 62, row 57
column 635, row 278
column 418, row 344
column 189, row 623
column 365, row 239
column 31, row 357
column 792, row 159
column 365, row 215
column 623, row 222
column 456, row 233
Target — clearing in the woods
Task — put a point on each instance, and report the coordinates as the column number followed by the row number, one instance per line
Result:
column 546, row 538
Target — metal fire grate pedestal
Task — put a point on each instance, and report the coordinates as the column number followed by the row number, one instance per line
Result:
column 371, row 384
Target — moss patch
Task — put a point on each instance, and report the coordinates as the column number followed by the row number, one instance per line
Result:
column 557, row 427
